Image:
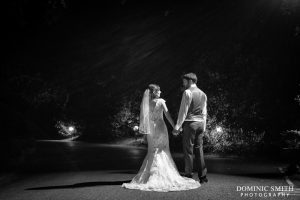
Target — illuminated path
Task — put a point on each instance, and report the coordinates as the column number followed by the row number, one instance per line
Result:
column 76, row 170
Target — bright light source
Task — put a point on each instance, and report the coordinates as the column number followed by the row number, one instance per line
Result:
column 71, row 128
column 135, row 128
column 68, row 129
column 219, row 129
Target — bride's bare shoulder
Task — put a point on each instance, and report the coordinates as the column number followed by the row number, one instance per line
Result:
column 161, row 100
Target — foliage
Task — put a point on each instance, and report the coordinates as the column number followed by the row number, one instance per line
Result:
column 36, row 91
column 291, row 138
column 40, row 12
column 237, row 142
column 234, row 101
column 127, row 117
column 36, row 99
column 69, row 129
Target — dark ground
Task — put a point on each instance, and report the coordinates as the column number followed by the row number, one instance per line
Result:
column 76, row 170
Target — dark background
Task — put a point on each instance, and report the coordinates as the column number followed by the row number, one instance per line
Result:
column 88, row 62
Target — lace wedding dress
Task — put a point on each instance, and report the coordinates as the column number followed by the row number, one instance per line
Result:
column 158, row 171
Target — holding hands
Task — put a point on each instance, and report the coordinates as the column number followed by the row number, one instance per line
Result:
column 176, row 131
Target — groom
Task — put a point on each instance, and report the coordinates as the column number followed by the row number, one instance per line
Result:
column 192, row 117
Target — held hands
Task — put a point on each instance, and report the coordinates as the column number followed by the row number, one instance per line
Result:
column 176, row 132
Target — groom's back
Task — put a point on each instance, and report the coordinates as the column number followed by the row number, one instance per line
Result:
column 197, row 106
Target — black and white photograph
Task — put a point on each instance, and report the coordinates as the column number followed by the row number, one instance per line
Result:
column 150, row 99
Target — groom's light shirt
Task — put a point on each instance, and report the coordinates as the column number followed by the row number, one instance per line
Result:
column 184, row 107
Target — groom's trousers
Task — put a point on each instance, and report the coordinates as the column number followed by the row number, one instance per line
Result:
column 193, row 133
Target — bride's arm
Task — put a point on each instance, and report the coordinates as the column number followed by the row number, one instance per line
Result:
column 167, row 114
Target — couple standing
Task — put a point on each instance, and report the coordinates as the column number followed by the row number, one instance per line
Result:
column 158, row 171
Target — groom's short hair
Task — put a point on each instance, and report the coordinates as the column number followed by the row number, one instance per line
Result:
column 190, row 76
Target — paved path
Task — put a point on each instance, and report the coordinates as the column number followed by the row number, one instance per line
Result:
column 76, row 170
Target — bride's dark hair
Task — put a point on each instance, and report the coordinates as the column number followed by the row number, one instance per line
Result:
column 153, row 88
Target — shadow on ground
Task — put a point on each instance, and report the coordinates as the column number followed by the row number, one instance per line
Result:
column 79, row 185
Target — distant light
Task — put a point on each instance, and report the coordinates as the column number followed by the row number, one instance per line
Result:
column 219, row 129
column 71, row 128
column 135, row 128
column 68, row 129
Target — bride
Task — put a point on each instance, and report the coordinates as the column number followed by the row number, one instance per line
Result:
column 158, row 171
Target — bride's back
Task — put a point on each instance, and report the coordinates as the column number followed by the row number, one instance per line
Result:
column 156, row 109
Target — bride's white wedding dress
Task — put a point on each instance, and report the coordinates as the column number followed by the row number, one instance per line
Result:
column 158, row 171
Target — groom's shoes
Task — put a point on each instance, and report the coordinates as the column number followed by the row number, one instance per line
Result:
column 203, row 179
